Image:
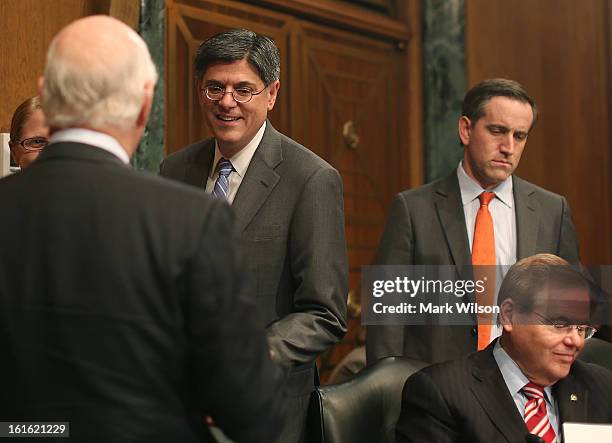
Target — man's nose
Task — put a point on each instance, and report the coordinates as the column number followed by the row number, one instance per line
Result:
column 227, row 101
column 573, row 338
column 508, row 144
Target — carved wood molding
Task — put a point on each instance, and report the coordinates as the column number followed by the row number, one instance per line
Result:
column 343, row 15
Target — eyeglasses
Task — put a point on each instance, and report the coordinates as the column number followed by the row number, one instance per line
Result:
column 33, row 144
column 560, row 326
column 240, row 95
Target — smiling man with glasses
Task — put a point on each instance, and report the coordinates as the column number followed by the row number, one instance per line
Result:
column 526, row 382
column 288, row 204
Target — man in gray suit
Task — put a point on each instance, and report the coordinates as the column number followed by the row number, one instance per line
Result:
column 434, row 224
column 288, row 204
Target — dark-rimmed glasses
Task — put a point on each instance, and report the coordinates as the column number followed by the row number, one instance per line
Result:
column 33, row 143
column 240, row 95
column 562, row 326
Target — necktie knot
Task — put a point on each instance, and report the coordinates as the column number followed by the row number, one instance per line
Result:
column 486, row 197
column 531, row 390
column 225, row 167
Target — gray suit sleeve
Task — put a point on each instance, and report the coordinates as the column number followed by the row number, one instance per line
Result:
column 236, row 382
column 396, row 248
column 317, row 251
column 568, row 241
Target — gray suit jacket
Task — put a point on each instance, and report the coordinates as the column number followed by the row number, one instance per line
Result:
column 467, row 400
column 289, row 209
column 426, row 226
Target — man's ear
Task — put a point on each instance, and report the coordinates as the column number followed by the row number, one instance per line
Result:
column 41, row 84
column 272, row 94
column 147, row 103
column 465, row 128
column 507, row 312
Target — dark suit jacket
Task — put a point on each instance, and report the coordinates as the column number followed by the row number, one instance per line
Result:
column 426, row 226
column 467, row 400
column 289, row 210
column 121, row 310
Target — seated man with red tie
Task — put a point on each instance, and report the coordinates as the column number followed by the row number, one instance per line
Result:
column 525, row 384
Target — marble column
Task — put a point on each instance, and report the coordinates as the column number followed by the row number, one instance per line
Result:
column 152, row 23
column 444, row 83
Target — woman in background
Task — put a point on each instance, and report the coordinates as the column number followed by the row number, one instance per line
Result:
column 29, row 132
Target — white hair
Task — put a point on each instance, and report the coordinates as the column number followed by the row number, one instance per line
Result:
column 96, row 90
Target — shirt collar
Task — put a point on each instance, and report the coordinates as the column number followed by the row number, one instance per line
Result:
column 93, row 138
column 470, row 189
column 241, row 160
column 513, row 376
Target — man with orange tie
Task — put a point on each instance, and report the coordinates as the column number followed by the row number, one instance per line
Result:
column 527, row 383
column 480, row 214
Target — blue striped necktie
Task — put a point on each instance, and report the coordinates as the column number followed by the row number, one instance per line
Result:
column 221, row 188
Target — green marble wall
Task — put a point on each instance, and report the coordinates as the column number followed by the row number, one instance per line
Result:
column 444, row 83
column 152, row 23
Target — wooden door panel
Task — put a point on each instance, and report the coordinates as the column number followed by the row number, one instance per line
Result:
column 341, row 77
column 341, row 80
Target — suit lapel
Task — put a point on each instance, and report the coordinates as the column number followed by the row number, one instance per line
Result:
column 572, row 398
column 527, row 218
column 260, row 178
column 196, row 172
column 490, row 390
column 450, row 212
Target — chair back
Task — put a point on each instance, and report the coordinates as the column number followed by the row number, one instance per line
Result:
column 597, row 351
column 362, row 409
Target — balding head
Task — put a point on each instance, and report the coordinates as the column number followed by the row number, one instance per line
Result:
column 99, row 74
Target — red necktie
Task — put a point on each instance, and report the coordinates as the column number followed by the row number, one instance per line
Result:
column 483, row 253
column 536, row 418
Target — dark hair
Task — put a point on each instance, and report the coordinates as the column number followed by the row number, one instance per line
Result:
column 21, row 116
column 529, row 276
column 478, row 96
column 229, row 46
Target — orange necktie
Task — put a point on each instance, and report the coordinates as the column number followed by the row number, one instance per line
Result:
column 483, row 253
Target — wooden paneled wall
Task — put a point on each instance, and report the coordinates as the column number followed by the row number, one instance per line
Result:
column 560, row 50
column 26, row 29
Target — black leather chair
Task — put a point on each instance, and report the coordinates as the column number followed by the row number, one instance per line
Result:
column 362, row 409
column 597, row 351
